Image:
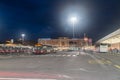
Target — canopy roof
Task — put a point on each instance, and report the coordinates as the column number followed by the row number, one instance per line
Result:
column 112, row 38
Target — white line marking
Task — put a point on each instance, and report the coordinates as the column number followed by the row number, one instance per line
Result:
column 23, row 79
column 74, row 55
column 68, row 55
column 64, row 55
column 65, row 76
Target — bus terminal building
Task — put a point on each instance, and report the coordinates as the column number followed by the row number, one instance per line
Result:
column 113, row 39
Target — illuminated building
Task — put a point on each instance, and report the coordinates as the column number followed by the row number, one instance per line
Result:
column 63, row 42
column 113, row 39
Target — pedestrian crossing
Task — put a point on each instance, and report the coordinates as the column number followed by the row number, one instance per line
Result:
column 64, row 55
column 59, row 54
column 56, row 55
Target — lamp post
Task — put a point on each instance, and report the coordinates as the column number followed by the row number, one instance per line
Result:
column 23, row 38
column 73, row 20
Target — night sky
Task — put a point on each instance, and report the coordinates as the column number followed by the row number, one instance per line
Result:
column 50, row 18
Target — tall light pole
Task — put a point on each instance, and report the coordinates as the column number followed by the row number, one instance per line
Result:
column 23, row 37
column 73, row 20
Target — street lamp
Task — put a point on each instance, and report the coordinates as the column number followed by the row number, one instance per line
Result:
column 73, row 20
column 23, row 37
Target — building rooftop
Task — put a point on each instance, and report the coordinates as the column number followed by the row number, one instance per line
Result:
column 113, row 37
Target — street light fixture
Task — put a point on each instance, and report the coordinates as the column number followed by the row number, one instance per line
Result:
column 73, row 20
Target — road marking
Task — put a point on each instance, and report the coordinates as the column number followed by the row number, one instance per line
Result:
column 109, row 62
column 68, row 55
column 117, row 66
column 23, row 79
column 95, row 58
column 82, row 69
column 99, row 61
column 64, row 76
column 74, row 55
column 64, row 55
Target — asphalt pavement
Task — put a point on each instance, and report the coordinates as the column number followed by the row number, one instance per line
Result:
column 59, row 66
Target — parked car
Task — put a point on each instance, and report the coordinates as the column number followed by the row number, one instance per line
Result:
column 39, row 50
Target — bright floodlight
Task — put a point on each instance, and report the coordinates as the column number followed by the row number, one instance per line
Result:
column 73, row 19
column 23, row 35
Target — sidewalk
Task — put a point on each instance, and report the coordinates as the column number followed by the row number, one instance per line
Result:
column 115, row 58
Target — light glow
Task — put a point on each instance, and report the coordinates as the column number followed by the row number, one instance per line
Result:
column 73, row 19
column 23, row 35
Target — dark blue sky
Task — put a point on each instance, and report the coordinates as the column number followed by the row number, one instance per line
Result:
column 48, row 18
